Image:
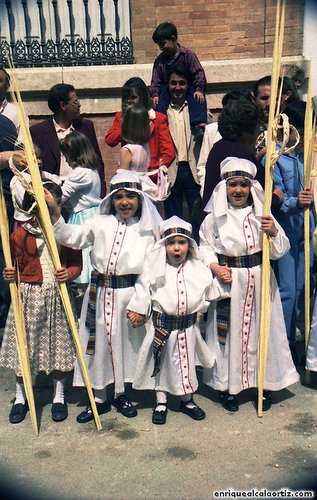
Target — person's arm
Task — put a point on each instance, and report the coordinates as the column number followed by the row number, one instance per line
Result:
column 113, row 136
column 279, row 243
column 125, row 158
column 289, row 204
column 157, row 79
column 197, row 71
column 72, row 263
column 77, row 180
column 165, row 142
column 18, row 158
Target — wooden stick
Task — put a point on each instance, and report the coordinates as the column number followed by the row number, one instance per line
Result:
column 309, row 135
column 46, row 225
column 265, row 315
column 17, row 307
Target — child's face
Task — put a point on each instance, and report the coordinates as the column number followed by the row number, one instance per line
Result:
column 176, row 250
column 169, row 47
column 238, row 191
column 126, row 203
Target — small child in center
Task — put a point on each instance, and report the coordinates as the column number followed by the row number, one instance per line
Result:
column 181, row 287
column 165, row 36
column 231, row 245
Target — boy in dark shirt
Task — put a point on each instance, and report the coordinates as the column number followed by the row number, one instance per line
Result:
column 165, row 36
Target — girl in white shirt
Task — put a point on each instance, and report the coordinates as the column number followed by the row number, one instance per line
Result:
column 81, row 187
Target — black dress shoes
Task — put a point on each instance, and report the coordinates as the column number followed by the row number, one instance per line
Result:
column 18, row 413
column 193, row 412
column 59, row 412
column 228, row 402
column 87, row 415
column 159, row 417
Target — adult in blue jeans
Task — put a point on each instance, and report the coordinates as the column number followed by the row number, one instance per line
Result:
column 182, row 173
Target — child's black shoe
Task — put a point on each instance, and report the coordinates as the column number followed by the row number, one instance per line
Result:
column 87, row 415
column 159, row 417
column 18, row 413
column 267, row 401
column 59, row 412
column 192, row 410
column 124, row 406
column 228, row 402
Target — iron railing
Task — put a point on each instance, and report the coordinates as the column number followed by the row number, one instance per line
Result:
column 63, row 49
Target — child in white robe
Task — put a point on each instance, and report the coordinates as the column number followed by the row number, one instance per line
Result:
column 181, row 287
column 121, row 237
column 231, row 244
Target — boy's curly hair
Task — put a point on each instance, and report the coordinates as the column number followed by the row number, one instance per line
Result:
column 237, row 118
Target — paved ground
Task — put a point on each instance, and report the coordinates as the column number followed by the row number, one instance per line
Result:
column 133, row 459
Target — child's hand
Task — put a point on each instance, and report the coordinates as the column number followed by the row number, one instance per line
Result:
column 155, row 101
column 136, row 319
column 9, row 274
column 199, row 96
column 62, row 275
column 305, row 198
column 268, row 226
column 53, row 207
column 223, row 273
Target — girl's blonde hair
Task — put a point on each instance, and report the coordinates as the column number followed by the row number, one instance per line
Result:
column 79, row 151
column 135, row 126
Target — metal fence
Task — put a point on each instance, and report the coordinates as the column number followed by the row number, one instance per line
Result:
column 65, row 32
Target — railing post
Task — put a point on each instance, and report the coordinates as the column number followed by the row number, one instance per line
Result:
column 42, row 21
column 11, row 23
column 117, row 28
column 102, row 27
column 57, row 29
column 27, row 28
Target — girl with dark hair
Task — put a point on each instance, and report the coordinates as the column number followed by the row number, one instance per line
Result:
column 135, row 155
column 162, row 151
column 121, row 239
column 81, row 188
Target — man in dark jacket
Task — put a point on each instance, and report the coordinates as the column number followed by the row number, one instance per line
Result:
column 65, row 105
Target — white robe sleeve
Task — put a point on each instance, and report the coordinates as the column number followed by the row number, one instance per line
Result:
column 207, row 241
column 141, row 299
column 74, row 235
column 280, row 244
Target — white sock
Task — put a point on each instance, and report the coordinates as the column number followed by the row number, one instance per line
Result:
column 161, row 400
column 117, row 394
column 58, row 390
column 100, row 395
column 186, row 398
column 20, row 397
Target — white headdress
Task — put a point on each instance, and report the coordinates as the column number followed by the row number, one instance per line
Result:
column 235, row 167
column 150, row 218
column 169, row 228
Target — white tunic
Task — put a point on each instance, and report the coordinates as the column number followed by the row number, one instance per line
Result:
column 81, row 189
column 117, row 248
column 186, row 291
column 235, row 234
